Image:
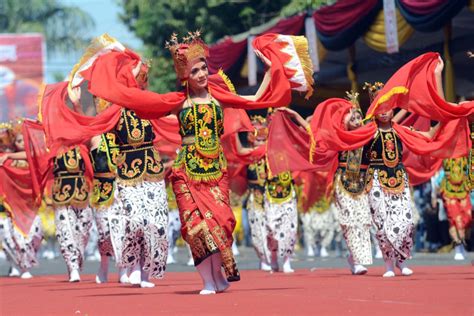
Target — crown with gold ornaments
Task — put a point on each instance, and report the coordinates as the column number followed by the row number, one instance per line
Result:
column 191, row 48
column 373, row 89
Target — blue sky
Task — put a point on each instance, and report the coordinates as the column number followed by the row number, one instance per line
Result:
column 105, row 14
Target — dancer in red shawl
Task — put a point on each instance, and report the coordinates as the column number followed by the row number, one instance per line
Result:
column 455, row 189
column 271, row 204
column 256, row 182
column 199, row 175
column 106, row 205
column 73, row 216
column 22, row 234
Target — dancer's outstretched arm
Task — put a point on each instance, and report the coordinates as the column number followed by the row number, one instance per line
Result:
column 266, row 78
column 299, row 119
column 20, row 155
column 241, row 149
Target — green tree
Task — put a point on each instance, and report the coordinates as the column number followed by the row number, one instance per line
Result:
column 65, row 27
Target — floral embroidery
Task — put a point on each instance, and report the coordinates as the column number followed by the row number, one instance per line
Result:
column 385, row 156
column 204, row 159
column 280, row 188
column 136, row 157
column 455, row 183
column 70, row 186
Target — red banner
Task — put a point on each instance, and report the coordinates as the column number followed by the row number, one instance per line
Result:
column 21, row 74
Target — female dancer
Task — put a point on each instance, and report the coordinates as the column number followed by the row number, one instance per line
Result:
column 351, row 200
column 106, row 206
column 455, row 190
column 142, row 191
column 22, row 233
column 256, row 181
column 73, row 216
column 139, row 179
column 199, row 175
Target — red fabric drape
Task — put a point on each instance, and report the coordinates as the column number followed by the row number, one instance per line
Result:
column 423, row 7
column 341, row 15
column 417, row 76
column 17, row 193
column 289, row 148
column 225, row 54
column 167, row 139
column 314, row 187
column 38, row 157
column 419, row 167
column 65, row 128
column 451, row 140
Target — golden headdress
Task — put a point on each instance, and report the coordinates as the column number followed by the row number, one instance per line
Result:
column 183, row 53
column 6, row 139
column 16, row 126
column 353, row 97
column 373, row 89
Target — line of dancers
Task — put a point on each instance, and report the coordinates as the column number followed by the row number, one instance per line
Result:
column 108, row 150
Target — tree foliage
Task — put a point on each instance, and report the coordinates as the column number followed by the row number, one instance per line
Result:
column 154, row 22
column 65, row 27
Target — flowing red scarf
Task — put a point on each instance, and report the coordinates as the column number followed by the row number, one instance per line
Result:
column 17, row 194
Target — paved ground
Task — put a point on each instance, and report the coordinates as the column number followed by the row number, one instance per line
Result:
column 247, row 260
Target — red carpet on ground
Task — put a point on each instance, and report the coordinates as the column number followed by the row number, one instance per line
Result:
column 430, row 291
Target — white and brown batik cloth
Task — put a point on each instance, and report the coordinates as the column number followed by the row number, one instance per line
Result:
column 281, row 215
column 389, row 196
column 256, row 175
column 73, row 217
column 143, row 196
column 352, row 205
column 72, row 231
column 320, row 224
column 145, row 211
column 22, row 249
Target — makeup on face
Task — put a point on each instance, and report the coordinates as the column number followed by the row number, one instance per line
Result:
column 198, row 75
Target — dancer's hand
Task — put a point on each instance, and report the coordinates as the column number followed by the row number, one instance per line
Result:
column 75, row 96
column 3, row 158
column 136, row 70
column 440, row 66
column 264, row 59
column 287, row 110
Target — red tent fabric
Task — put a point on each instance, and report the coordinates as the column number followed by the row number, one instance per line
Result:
column 341, row 15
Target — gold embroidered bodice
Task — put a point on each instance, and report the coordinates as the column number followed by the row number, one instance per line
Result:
column 201, row 155
column 103, row 162
column 455, row 183
column 352, row 171
column 385, row 155
column 257, row 179
column 137, row 159
column 257, row 174
column 70, row 187
column 280, row 187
